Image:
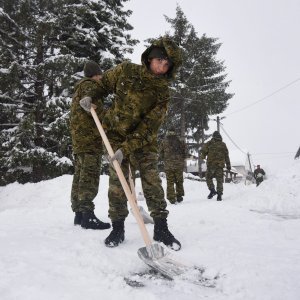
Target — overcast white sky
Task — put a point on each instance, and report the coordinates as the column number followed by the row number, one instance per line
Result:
column 261, row 49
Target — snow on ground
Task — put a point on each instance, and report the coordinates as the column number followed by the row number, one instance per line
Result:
column 250, row 240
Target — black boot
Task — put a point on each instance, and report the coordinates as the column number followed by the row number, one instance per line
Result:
column 90, row 221
column 212, row 193
column 219, row 198
column 162, row 234
column 179, row 199
column 117, row 235
column 78, row 218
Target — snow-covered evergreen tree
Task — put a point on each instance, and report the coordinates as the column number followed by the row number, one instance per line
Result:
column 43, row 47
column 200, row 88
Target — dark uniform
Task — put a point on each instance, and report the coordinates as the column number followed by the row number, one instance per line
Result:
column 87, row 149
column 259, row 175
column 132, row 123
column 173, row 154
column 217, row 155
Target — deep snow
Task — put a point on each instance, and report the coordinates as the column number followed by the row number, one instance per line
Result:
column 250, row 240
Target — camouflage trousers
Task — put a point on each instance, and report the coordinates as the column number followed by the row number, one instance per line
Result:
column 85, row 181
column 174, row 183
column 215, row 172
column 151, row 184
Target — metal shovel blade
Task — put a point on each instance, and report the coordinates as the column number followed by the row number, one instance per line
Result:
column 159, row 259
column 145, row 216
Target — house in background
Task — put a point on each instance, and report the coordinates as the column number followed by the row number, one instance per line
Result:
column 240, row 166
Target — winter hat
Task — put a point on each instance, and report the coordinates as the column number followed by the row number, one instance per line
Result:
column 91, row 68
column 159, row 52
column 217, row 135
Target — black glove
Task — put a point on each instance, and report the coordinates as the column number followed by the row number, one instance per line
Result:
column 117, row 156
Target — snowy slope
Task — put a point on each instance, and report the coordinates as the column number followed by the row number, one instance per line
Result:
column 250, row 240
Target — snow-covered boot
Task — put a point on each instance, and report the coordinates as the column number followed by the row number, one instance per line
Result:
column 90, row 221
column 219, row 198
column 78, row 218
column 212, row 193
column 162, row 234
column 117, row 235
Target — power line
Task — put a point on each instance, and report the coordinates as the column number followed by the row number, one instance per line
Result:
column 264, row 98
column 232, row 140
column 273, row 153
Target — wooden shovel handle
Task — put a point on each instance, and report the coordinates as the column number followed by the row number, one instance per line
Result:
column 123, row 181
column 132, row 187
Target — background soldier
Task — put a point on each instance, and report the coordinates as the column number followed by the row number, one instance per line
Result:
column 173, row 154
column 132, row 123
column 259, row 175
column 217, row 155
column 87, row 149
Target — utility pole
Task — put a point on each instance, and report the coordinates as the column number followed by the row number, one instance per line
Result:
column 248, row 155
column 218, row 122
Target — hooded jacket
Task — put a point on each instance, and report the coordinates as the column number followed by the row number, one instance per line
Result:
column 216, row 152
column 85, row 135
column 173, row 152
column 140, row 100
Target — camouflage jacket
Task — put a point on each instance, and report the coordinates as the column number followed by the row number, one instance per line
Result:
column 173, row 151
column 140, row 101
column 85, row 135
column 216, row 153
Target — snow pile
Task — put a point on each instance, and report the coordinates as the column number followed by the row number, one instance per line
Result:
column 250, row 242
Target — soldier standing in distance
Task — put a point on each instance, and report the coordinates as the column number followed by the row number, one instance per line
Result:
column 259, row 175
column 217, row 155
column 173, row 154
column 141, row 96
column 87, row 149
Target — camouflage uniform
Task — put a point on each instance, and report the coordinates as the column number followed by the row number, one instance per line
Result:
column 139, row 108
column 173, row 155
column 217, row 155
column 259, row 175
column 87, row 146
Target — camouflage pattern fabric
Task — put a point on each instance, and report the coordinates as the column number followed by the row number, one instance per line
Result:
column 215, row 172
column 173, row 152
column 87, row 146
column 174, row 184
column 85, row 181
column 85, row 135
column 217, row 155
column 132, row 124
column 151, row 184
column 216, row 152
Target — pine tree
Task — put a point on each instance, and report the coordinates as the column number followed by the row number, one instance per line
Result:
column 200, row 88
column 43, row 47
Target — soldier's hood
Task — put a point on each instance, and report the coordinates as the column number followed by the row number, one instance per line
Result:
column 217, row 139
column 173, row 52
column 81, row 81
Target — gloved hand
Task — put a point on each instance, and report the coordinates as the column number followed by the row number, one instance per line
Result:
column 117, row 156
column 86, row 103
column 228, row 168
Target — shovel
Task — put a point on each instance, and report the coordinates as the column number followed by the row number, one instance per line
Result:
column 154, row 255
column 145, row 216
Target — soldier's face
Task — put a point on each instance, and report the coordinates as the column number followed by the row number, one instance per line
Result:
column 97, row 77
column 159, row 66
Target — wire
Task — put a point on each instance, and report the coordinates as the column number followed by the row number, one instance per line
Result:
column 264, row 98
column 232, row 140
column 273, row 153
